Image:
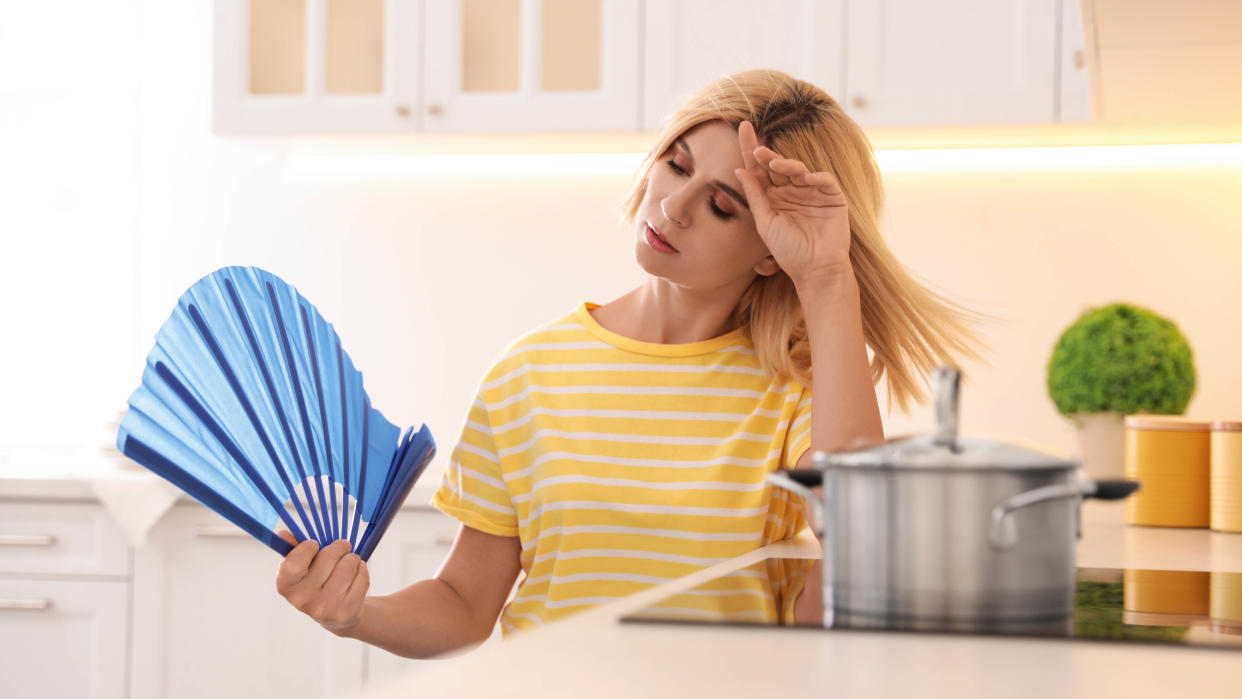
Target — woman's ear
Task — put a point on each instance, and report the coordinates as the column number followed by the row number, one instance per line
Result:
column 767, row 267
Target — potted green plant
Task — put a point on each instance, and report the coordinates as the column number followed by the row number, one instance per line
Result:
column 1115, row 361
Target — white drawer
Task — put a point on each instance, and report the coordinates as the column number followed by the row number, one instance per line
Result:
column 60, row 539
column 63, row 638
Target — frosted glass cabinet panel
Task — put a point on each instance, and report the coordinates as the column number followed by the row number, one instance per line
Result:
column 277, row 47
column 354, row 59
column 490, row 45
column 572, row 31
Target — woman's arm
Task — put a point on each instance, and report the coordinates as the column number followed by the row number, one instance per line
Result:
column 844, row 411
column 455, row 609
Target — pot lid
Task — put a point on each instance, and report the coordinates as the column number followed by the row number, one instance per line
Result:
column 946, row 449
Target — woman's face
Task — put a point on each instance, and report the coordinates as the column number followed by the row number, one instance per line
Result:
column 693, row 227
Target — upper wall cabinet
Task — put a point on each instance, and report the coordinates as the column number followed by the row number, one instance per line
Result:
column 308, row 66
column 687, row 43
column 321, row 66
column 316, row 66
column 912, row 62
column 531, row 65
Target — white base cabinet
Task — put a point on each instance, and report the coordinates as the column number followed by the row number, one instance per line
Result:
column 193, row 613
column 63, row 638
column 64, row 602
column 208, row 621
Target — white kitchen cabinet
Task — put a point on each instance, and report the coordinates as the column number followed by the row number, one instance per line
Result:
column 208, row 621
column 952, row 62
column 320, row 66
column 888, row 62
column 64, row 601
column 531, row 65
column 687, row 43
column 316, row 66
column 412, row 549
column 63, row 638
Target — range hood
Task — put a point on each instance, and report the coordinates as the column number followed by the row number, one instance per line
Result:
column 1163, row 62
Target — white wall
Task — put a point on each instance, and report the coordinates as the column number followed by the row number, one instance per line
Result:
column 118, row 200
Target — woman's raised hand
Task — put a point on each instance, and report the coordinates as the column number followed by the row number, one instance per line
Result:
column 801, row 215
column 328, row 585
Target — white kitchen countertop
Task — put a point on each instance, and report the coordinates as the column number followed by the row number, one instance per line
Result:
column 594, row 655
column 69, row 475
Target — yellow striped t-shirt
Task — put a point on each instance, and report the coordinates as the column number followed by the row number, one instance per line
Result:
column 623, row 464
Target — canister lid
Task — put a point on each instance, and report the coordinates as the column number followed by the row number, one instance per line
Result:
column 1227, row 426
column 1167, row 423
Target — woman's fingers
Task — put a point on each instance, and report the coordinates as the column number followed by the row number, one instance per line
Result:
column 294, row 567
column 770, row 162
column 342, row 576
column 288, row 537
column 357, row 591
column 323, row 564
column 748, row 143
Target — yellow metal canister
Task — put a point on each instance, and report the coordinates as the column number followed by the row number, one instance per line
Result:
column 1167, row 591
column 1226, row 476
column 1169, row 455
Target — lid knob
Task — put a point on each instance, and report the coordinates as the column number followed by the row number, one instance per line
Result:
column 945, row 382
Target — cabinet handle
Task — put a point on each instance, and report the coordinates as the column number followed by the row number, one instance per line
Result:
column 219, row 531
column 435, row 109
column 860, row 102
column 1079, row 61
column 27, row 539
column 403, row 111
column 445, row 538
column 17, row 603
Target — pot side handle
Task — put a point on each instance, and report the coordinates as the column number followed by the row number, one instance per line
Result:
column 1003, row 533
column 797, row 481
column 1114, row 490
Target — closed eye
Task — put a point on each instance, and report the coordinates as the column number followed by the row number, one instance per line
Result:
column 721, row 213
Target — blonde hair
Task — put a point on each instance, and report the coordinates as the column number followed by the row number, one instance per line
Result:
column 909, row 328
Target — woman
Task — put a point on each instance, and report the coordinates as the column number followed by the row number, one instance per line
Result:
column 627, row 444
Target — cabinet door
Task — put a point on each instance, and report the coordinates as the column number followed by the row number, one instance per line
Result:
column 530, row 65
column 413, row 548
column 316, row 66
column 63, row 638
column 690, row 42
column 208, row 621
column 912, row 62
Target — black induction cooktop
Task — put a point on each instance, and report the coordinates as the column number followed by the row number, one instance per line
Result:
column 1184, row 608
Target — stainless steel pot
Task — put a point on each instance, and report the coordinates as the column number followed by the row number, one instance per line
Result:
column 943, row 532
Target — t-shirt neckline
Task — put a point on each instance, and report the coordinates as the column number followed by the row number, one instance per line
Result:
column 688, row 349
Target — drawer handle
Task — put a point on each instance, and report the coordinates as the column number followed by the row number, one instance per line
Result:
column 219, row 531
column 445, row 538
column 17, row 603
column 27, row 539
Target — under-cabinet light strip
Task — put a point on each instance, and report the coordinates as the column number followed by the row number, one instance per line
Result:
column 400, row 166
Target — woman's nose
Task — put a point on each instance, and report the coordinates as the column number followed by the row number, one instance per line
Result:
column 674, row 209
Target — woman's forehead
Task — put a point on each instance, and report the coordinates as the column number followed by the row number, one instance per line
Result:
column 712, row 142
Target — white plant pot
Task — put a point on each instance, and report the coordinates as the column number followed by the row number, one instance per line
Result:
column 1102, row 444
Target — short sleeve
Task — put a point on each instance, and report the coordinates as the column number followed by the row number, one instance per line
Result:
column 473, row 490
column 798, row 437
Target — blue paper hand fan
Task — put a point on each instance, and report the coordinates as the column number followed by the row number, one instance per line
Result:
column 249, row 404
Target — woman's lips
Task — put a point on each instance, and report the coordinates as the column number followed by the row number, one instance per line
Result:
column 659, row 242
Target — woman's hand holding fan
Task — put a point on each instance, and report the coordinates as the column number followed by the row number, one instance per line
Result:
column 329, row 585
